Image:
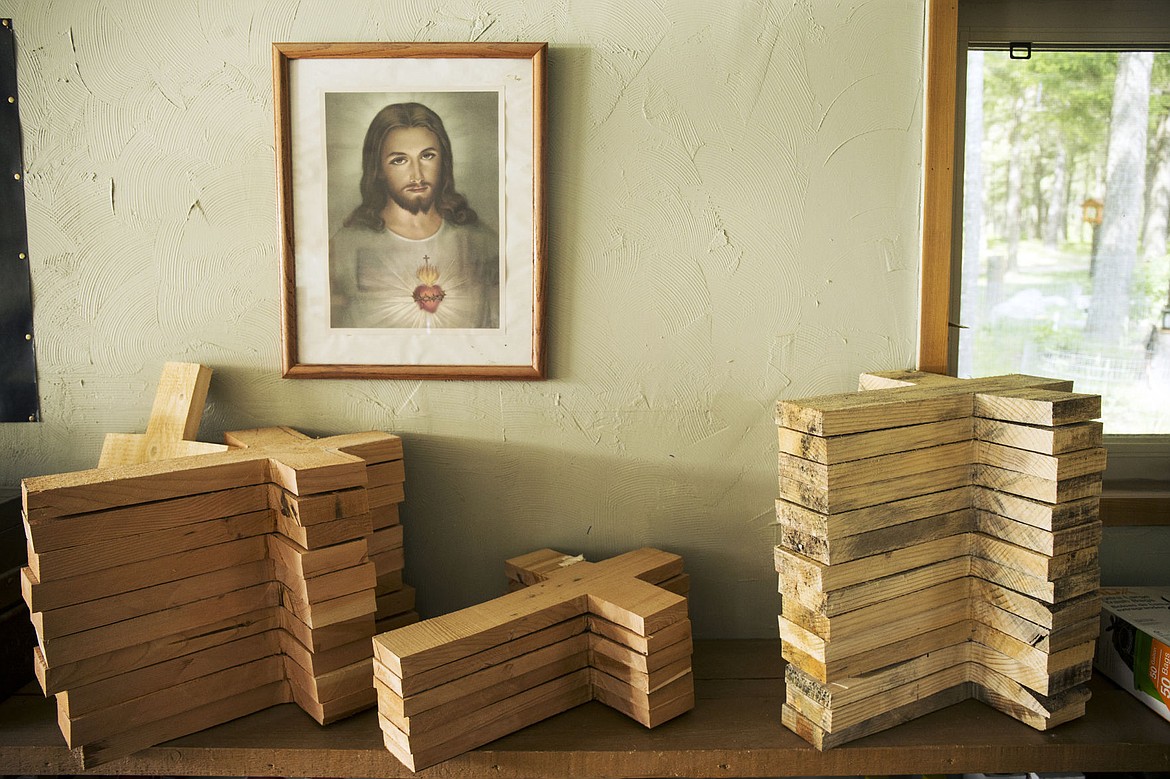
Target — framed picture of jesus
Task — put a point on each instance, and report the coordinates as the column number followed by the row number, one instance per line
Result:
column 411, row 209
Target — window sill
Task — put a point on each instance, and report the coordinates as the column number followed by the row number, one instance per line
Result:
column 1135, row 502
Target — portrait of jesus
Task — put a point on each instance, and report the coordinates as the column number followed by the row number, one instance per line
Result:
column 410, row 250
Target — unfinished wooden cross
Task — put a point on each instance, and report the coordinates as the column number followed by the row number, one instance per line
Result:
column 938, row 541
column 174, row 421
column 170, row 595
column 576, row 631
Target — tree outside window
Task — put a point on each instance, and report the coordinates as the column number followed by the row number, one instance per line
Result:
column 1066, row 211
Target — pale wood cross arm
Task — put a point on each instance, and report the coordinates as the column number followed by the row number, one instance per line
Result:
column 174, row 421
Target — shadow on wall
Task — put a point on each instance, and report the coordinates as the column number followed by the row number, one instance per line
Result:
column 470, row 505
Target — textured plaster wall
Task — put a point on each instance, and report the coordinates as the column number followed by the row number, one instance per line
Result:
column 732, row 216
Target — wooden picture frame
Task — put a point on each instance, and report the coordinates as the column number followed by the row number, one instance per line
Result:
column 410, row 178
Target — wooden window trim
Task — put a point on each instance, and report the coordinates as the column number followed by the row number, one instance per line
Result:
column 942, row 31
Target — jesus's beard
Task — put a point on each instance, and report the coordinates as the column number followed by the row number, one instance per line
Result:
column 414, row 202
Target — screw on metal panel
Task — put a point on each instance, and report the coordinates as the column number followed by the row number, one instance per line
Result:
column 22, row 255
column 16, row 176
column 32, row 417
column 28, row 336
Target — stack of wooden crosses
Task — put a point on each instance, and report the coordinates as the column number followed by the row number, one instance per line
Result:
column 182, row 584
column 571, row 631
column 938, row 542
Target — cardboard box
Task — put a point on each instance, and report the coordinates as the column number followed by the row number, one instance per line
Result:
column 1134, row 646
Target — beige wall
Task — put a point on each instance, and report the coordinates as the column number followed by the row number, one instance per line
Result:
column 733, row 218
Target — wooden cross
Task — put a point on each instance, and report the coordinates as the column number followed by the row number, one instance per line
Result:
column 277, row 456
column 170, row 595
column 304, row 465
column 298, row 463
column 938, row 541
column 607, row 631
column 174, row 421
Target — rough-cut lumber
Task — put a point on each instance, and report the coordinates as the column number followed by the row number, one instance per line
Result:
column 1036, row 405
column 1040, row 439
column 858, row 446
column 901, row 378
column 91, row 587
column 937, row 541
column 72, row 495
column 235, row 703
column 571, row 632
column 811, row 543
column 833, row 415
column 854, row 522
column 146, row 517
column 171, row 590
column 117, row 552
column 113, row 665
column 107, row 692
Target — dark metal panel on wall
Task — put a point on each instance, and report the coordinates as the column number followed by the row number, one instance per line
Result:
column 18, row 369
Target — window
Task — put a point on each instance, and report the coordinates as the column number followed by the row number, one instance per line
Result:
column 1054, row 280
column 1015, row 270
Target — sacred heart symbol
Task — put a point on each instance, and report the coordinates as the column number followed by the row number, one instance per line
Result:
column 428, row 297
column 429, row 294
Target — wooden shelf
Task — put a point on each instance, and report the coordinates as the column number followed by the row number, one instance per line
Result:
column 734, row 731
